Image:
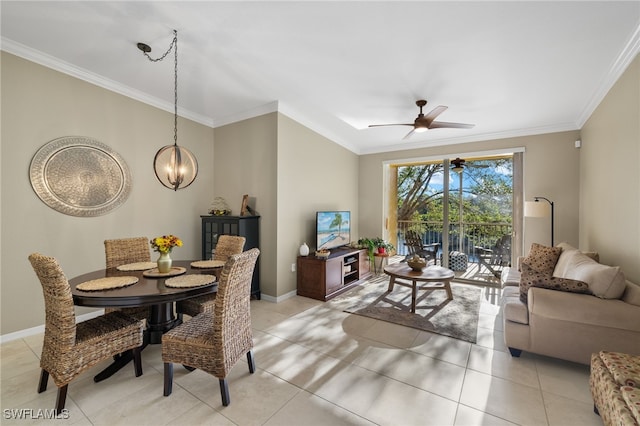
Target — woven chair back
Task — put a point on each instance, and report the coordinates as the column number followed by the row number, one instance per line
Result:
column 228, row 245
column 60, row 322
column 232, row 336
column 126, row 250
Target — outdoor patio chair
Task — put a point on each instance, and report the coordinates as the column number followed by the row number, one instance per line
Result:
column 415, row 245
column 496, row 257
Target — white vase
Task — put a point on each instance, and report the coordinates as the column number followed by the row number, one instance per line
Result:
column 304, row 249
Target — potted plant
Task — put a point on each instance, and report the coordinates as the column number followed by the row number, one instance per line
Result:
column 382, row 245
column 369, row 245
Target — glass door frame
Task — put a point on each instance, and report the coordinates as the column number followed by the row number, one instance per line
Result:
column 390, row 195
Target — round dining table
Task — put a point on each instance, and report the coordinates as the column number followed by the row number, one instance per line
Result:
column 147, row 291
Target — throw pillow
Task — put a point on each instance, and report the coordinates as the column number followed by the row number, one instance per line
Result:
column 531, row 278
column 562, row 284
column 632, row 294
column 528, row 277
column 543, row 259
column 605, row 282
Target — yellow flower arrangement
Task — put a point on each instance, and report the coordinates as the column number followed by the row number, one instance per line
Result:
column 165, row 243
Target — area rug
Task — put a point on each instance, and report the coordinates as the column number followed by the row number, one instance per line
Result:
column 456, row 318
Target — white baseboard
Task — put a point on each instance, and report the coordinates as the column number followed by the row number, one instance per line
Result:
column 40, row 328
column 278, row 299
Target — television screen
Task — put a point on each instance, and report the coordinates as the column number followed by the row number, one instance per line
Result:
column 333, row 229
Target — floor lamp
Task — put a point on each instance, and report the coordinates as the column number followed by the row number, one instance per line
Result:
column 537, row 209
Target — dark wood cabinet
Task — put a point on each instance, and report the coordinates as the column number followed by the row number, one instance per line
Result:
column 243, row 226
column 323, row 279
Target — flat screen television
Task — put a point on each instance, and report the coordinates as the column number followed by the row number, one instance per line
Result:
column 333, row 229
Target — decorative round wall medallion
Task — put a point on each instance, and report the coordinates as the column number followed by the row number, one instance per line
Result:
column 79, row 176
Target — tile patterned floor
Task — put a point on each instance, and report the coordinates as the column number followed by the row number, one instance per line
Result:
column 319, row 366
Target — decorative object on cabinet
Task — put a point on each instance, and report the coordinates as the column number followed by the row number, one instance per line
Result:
column 245, row 201
column 325, row 278
column 243, row 226
column 79, row 176
column 304, row 249
column 176, row 167
column 219, row 207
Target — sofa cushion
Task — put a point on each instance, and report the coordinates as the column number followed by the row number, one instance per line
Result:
column 632, row 294
column 606, row 282
column 510, row 277
column 583, row 309
column 543, row 259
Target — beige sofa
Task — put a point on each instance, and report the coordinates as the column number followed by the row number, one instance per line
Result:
column 568, row 325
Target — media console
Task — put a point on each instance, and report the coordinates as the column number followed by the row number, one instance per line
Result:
column 323, row 279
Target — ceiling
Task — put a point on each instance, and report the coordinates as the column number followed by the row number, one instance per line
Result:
column 511, row 68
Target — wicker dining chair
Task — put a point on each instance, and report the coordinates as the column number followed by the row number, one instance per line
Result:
column 227, row 245
column 122, row 251
column 214, row 341
column 70, row 348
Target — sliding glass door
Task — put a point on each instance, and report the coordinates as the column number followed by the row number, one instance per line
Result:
column 465, row 206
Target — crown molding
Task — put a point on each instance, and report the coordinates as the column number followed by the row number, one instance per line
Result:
column 626, row 56
column 56, row 64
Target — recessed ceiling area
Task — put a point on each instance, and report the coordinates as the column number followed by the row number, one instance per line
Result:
column 510, row 68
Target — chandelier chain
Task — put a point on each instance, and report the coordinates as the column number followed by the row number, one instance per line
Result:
column 173, row 46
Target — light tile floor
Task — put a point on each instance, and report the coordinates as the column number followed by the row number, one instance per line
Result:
column 321, row 366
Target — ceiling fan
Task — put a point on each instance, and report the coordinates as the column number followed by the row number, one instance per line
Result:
column 458, row 165
column 424, row 122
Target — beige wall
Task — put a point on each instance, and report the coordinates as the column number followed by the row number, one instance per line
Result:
column 245, row 163
column 313, row 174
column 610, row 176
column 290, row 172
column 551, row 170
column 39, row 105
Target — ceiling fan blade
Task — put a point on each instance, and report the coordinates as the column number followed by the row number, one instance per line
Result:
column 408, row 135
column 434, row 113
column 445, row 124
column 396, row 124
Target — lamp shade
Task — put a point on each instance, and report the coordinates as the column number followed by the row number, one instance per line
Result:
column 175, row 167
column 536, row 209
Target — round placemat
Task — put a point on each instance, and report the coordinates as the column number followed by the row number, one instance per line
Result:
column 208, row 264
column 108, row 283
column 154, row 273
column 193, row 280
column 138, row 266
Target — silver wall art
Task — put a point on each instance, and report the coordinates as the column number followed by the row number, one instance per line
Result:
column 79, row 176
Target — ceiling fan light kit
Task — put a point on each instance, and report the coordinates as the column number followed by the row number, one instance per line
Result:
column 423, row 122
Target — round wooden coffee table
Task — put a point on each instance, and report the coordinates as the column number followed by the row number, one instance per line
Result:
column 437, row 277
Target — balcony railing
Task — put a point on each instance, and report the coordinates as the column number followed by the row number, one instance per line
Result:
column 464, row 237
